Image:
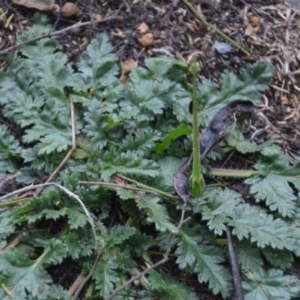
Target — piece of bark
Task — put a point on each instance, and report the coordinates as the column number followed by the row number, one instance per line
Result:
column 41, row 5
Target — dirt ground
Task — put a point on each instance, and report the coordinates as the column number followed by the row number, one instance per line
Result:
column 268, row 29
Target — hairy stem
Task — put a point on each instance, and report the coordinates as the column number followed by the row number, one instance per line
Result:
column 196, row 180
column 231, row 173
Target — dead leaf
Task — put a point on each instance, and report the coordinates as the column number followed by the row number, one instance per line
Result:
column 249, row 30
column 129, row 65
column 181, row 185
column 42, row 5
column 255, row 20
column 217, row 129
column 284, row 100
column 119, row 33
column 143, row 27
column 147, row 40
column 70, row 10
column 83, row 45
column 119, row 181
column 181, row 181
column 97, row 17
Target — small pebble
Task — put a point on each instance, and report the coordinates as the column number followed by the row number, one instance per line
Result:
column 223, row 48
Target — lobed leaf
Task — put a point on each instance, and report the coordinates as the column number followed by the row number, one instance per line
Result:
column 282, row 259
column 270, row 285
column 179, row 131
column 156, row 213
column 160, row 66
column 24, row 277
column 248, row 85
column 141, row 142
column 275, row 191
column 237, row 141
column 272, row 183
column 97, row 68
column 264, row 230
column 128, row 163
column 76, row 218
column 79, row 243
column 249, row 256
column 118, row 234
column 170, row 289
column 218, row 208
column 205, row 261
column 10, row 151
column 42, row 47
column 106, row 276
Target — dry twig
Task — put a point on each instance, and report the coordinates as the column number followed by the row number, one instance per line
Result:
column 69, row 154
column 74, row 146
column 58, row 32
column 127, row 187
column 76, row 283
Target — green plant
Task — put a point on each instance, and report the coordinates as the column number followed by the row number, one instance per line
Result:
column 130, row 142
column 197, row 180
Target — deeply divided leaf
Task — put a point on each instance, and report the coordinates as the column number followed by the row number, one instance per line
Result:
column 205, row 260
column 131, row 139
